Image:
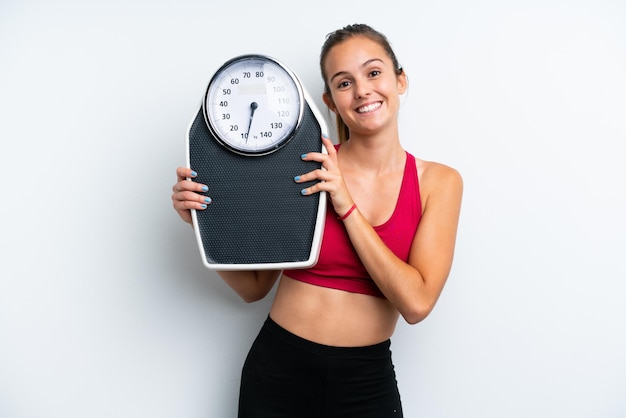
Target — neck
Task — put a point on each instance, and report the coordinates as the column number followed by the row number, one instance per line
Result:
column 378, row 154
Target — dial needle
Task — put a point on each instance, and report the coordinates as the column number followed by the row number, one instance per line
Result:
column 253, row 107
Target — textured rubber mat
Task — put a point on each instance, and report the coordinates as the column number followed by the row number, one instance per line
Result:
column 258, row 215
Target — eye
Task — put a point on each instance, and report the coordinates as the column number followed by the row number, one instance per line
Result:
column 374, row 73
column 343, row 84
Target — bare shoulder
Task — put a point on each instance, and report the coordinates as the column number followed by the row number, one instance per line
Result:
column 438, row 179
column 433, row 174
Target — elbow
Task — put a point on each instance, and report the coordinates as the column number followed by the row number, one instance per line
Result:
column 249, row 286
column 416, row 314
column 251, row 297
column 414, row 318
column 255, row 293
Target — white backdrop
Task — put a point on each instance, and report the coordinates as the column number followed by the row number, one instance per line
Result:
column 105, row 307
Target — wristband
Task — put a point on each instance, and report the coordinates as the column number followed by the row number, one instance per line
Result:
column 345, row 215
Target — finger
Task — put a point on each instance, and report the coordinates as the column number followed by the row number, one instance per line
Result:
column 315, row 156
column 316, row 188
column 184, row 182
column 318, row 174
column 186, row 185
column 191, row 196
column 190, row 200
column 184, row 205
column 328, row 162
column 183, row 173
column 330, row 147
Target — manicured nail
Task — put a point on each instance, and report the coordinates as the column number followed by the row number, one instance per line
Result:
column 296, row 178
column 303, row 191
column 205, row 188
column 208, row 200
column 193, row 174
column 303, row 156
column 203, row 206
column 325, row 136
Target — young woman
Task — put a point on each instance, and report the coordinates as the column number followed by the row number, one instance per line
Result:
column 324, row 350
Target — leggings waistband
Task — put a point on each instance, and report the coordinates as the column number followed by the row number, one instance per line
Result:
column 271, row 326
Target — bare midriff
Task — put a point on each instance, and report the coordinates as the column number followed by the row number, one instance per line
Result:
column 332, row 317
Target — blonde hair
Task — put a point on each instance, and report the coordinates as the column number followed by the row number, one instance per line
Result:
column 339, row 36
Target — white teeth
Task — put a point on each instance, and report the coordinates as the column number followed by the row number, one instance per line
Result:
column 369, row 108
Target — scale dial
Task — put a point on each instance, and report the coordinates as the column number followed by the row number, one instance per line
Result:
column 253, row 105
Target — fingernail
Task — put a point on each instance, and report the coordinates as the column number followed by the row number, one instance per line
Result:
column 193, row 174
column 296, row 178
column 208, row 200
column 325, row 136
column 205, row 188
column 303, row 156
column 303, row 191
column 203, row 206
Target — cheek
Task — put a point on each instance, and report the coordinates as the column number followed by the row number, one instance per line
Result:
column 390, row 85
column 341, row 102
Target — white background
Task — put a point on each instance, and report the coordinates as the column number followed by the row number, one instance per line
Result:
column 105, row 307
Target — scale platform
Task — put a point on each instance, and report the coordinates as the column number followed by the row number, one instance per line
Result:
column 258, row 219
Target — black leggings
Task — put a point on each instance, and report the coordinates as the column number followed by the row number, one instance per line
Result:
column 286, row 376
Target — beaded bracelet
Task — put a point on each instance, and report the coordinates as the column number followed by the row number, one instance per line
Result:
column 345, row 215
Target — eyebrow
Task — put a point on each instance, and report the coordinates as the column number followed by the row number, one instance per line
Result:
column 365, row 64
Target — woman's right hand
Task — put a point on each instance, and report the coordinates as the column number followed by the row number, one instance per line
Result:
column 187, row 194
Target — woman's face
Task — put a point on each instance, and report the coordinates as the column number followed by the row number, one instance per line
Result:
column 364, row 87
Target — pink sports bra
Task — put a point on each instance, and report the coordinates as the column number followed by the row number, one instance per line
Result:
column 339, row 266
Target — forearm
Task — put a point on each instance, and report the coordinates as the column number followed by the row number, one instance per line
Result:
column 251, row 286
column 401, row 283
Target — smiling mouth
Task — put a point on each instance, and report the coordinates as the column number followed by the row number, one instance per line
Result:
column 369, row 108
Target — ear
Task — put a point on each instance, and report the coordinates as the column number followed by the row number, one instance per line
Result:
column 403, row 82
column 329, row 102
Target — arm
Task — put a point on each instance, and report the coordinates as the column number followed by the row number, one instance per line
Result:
column 186, row 195
column 251, row 286
column 414, row 287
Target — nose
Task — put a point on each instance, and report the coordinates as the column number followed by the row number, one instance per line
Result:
column 361, row 88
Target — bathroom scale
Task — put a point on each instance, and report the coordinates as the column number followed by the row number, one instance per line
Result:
column 245, row 141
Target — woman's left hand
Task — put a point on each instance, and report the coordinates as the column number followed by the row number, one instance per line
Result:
column 328, row 179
